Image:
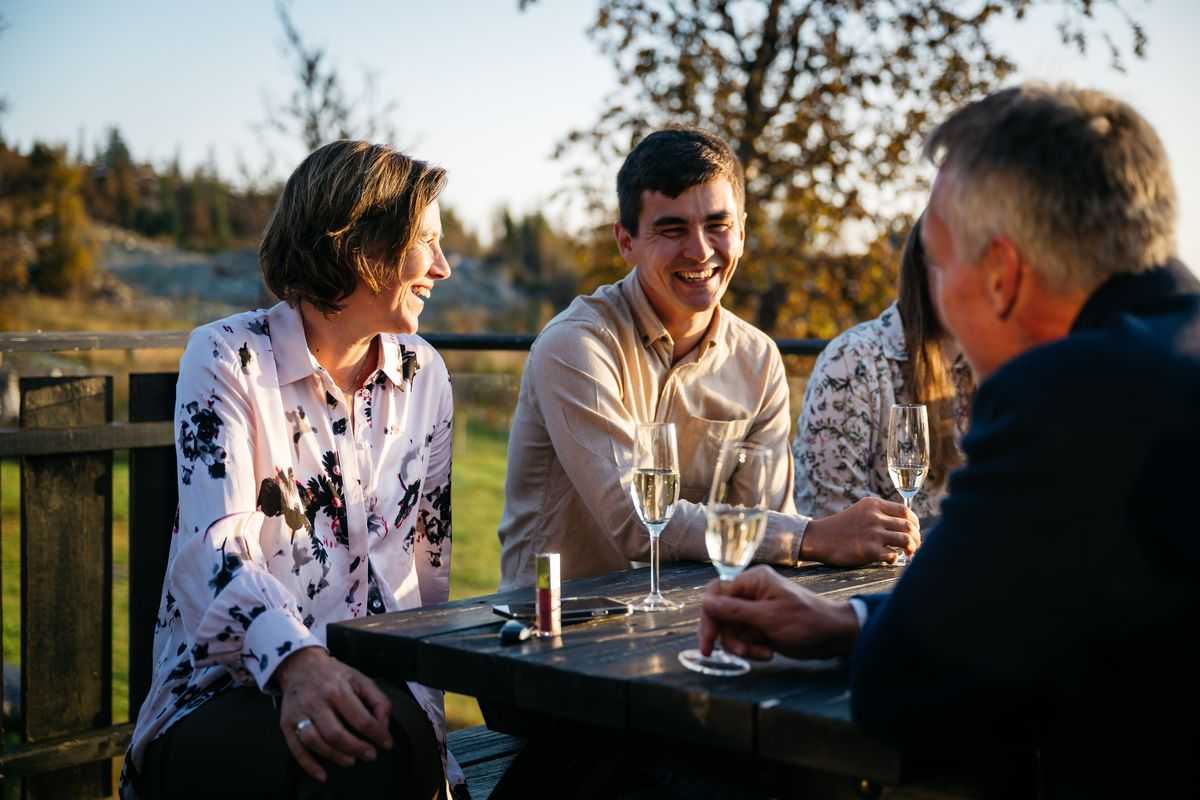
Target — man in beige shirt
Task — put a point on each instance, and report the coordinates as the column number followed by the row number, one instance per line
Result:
column 657, row 347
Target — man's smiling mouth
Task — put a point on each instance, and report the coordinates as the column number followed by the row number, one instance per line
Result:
column 696, row 276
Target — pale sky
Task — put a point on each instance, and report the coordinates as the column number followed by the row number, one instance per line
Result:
column 484, row 90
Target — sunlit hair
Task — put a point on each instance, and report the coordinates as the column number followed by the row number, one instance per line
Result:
column 1077, row 180
column 670, row 162
column 927, row 370
column 346, row 217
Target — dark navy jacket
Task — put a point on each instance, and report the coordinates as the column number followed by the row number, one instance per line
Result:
column 1053, row 607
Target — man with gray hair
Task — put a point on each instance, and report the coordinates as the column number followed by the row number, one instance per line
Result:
column 1059, row 585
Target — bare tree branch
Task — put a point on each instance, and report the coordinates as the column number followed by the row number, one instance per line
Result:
column 318, row 109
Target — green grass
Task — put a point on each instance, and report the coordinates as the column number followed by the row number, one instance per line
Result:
column 478, row 481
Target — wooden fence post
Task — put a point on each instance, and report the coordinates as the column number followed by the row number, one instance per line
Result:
column 153, row 497
column 66, row 582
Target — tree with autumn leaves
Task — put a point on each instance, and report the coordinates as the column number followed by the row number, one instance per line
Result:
column 826, row 102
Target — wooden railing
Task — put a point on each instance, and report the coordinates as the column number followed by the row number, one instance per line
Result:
column 65, row 341
column 65, row 442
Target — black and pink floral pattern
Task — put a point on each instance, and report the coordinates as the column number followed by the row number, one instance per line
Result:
column 289, row 493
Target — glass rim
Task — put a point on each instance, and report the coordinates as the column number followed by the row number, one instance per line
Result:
column 656, row 424
column 909, row 405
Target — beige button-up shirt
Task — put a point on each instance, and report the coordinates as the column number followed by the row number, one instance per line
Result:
column 598, row 369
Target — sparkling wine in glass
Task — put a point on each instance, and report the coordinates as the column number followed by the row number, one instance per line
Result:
column 654, row 485
column 908, row 453
column 736, row 515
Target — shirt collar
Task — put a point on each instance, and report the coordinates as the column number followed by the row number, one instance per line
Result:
column 399, row 363
column 294, row 361
column 892, row 334
column 651, row 328
column 1133, row 292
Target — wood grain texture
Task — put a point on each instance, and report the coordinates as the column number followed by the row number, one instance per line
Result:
column 66, row 581
column 478, row 744
column 66, row 751
column 623, row 675
column 85, row 439
column 59, row 341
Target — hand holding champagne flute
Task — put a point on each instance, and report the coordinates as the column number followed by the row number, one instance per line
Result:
column 736, row 522
column 654, row 485
column 908, row 454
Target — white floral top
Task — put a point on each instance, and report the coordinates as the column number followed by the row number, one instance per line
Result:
column 298, row 506
column 841, row 435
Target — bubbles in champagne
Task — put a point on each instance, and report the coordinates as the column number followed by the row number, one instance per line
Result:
column 733, row 535
column 655, row 493
column 907, row 480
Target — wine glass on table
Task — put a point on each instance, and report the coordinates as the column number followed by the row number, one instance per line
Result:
column 736, row 515
column 908, row 454
column 655, row 489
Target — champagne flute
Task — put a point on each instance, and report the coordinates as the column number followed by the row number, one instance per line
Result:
column 655, row 488
column 908, row 454
column 736, row 515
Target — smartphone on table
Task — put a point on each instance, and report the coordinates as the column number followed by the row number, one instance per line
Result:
column 574, row 609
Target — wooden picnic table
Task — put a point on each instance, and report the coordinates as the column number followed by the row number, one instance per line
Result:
column 620, row 677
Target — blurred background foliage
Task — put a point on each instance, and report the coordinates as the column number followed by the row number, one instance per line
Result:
column 825, row 101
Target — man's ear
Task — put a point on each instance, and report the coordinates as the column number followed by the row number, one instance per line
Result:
column 624, row 243
column 1005, row 274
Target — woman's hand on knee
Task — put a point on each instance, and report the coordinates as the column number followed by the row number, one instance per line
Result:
column 330, row 711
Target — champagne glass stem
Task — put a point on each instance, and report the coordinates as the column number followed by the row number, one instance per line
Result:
column 718, row 651
column 654, row 564
column 901, row 558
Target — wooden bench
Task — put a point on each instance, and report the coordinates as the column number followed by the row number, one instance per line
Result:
column 484, row 755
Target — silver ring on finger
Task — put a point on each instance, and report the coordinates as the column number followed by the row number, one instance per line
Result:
column 303, row 725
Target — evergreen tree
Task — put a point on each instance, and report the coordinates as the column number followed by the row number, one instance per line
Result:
column 16, row 242
column 65, row 250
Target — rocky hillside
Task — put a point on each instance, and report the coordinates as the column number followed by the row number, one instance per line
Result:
column 202, row 286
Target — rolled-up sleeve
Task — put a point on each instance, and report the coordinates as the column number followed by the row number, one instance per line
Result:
column 433, row 541
column 233, row 611
column 785, row 528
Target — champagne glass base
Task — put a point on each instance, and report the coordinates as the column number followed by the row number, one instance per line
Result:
column 656, row 602
column 717, row 663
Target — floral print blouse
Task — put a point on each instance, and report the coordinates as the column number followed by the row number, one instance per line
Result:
column 299, row 506
column 841, row 435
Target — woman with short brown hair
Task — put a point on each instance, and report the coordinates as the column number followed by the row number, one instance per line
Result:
column 314, row 486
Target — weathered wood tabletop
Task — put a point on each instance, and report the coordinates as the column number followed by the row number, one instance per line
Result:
column 622, row 674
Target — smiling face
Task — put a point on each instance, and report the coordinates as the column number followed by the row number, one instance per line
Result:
column 686, row 251
column 396, row 309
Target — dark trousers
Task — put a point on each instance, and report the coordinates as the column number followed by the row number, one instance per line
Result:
column 232, row 746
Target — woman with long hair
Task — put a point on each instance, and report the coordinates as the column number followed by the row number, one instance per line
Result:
column 314, row 486
column 902, row 356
